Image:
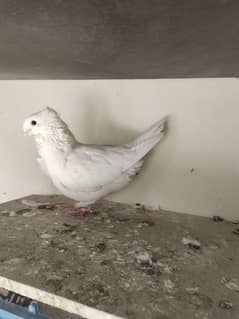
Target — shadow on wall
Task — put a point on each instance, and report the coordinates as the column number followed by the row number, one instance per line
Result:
column 98, row 124
column 95, row 123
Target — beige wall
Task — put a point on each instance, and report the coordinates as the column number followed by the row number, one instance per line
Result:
column 194, row 170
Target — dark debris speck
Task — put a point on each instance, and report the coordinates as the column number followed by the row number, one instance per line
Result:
column 102, row 290
column 105, row 263
column 101, row 247
column 67, row 228
column 122, row 219
column 23, row 210
column 152, row 271
column 217, row 219
column 149, row 223
column 191, row 243
column 225, row 304
column 236, row 231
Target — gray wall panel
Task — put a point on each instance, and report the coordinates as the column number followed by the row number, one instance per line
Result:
column 118, row 38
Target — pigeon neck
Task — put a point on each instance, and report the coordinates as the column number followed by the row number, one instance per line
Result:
column 59, row 139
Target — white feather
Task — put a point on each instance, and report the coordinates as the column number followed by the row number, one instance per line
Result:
column 85, row 172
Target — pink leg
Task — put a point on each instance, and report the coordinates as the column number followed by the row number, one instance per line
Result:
column 77, row 211
column 81, row 211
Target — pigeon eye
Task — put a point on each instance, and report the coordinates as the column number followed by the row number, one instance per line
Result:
column 33, row 122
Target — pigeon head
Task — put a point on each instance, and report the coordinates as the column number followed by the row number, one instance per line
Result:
column 42, row 122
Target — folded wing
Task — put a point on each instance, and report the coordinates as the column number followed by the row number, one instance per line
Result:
column 91, row 167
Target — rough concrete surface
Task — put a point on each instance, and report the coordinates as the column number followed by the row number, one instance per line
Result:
column 126, row 260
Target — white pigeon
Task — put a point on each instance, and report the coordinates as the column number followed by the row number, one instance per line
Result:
column 85, row 172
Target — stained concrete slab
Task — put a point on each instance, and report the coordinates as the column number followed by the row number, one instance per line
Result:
column 125, row 260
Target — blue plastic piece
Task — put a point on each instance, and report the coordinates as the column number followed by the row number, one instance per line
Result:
column 33, row 308
column 13, row 311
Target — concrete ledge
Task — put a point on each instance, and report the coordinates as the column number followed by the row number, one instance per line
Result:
column 121, row 262
column 55, row 301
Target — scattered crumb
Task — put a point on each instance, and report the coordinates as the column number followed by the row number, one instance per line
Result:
column 153, row 207
column 169, row 285
column 146, row 259
column 192, row 290
column 30, row 214
column 148, row 223
column 33, row 204
column 225, row 304
column 191, row 243
column 231, row 284
column 101, row 247
column 46, row 236
column 12, row 214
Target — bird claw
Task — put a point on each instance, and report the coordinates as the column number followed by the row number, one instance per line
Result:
column 77, row 211
column 81, row 211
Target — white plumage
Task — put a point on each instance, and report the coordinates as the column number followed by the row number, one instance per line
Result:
column 86, row 172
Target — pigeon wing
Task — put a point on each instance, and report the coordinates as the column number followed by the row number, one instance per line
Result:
column 89, row 168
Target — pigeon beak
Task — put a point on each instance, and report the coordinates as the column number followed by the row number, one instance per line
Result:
column 26, row 129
